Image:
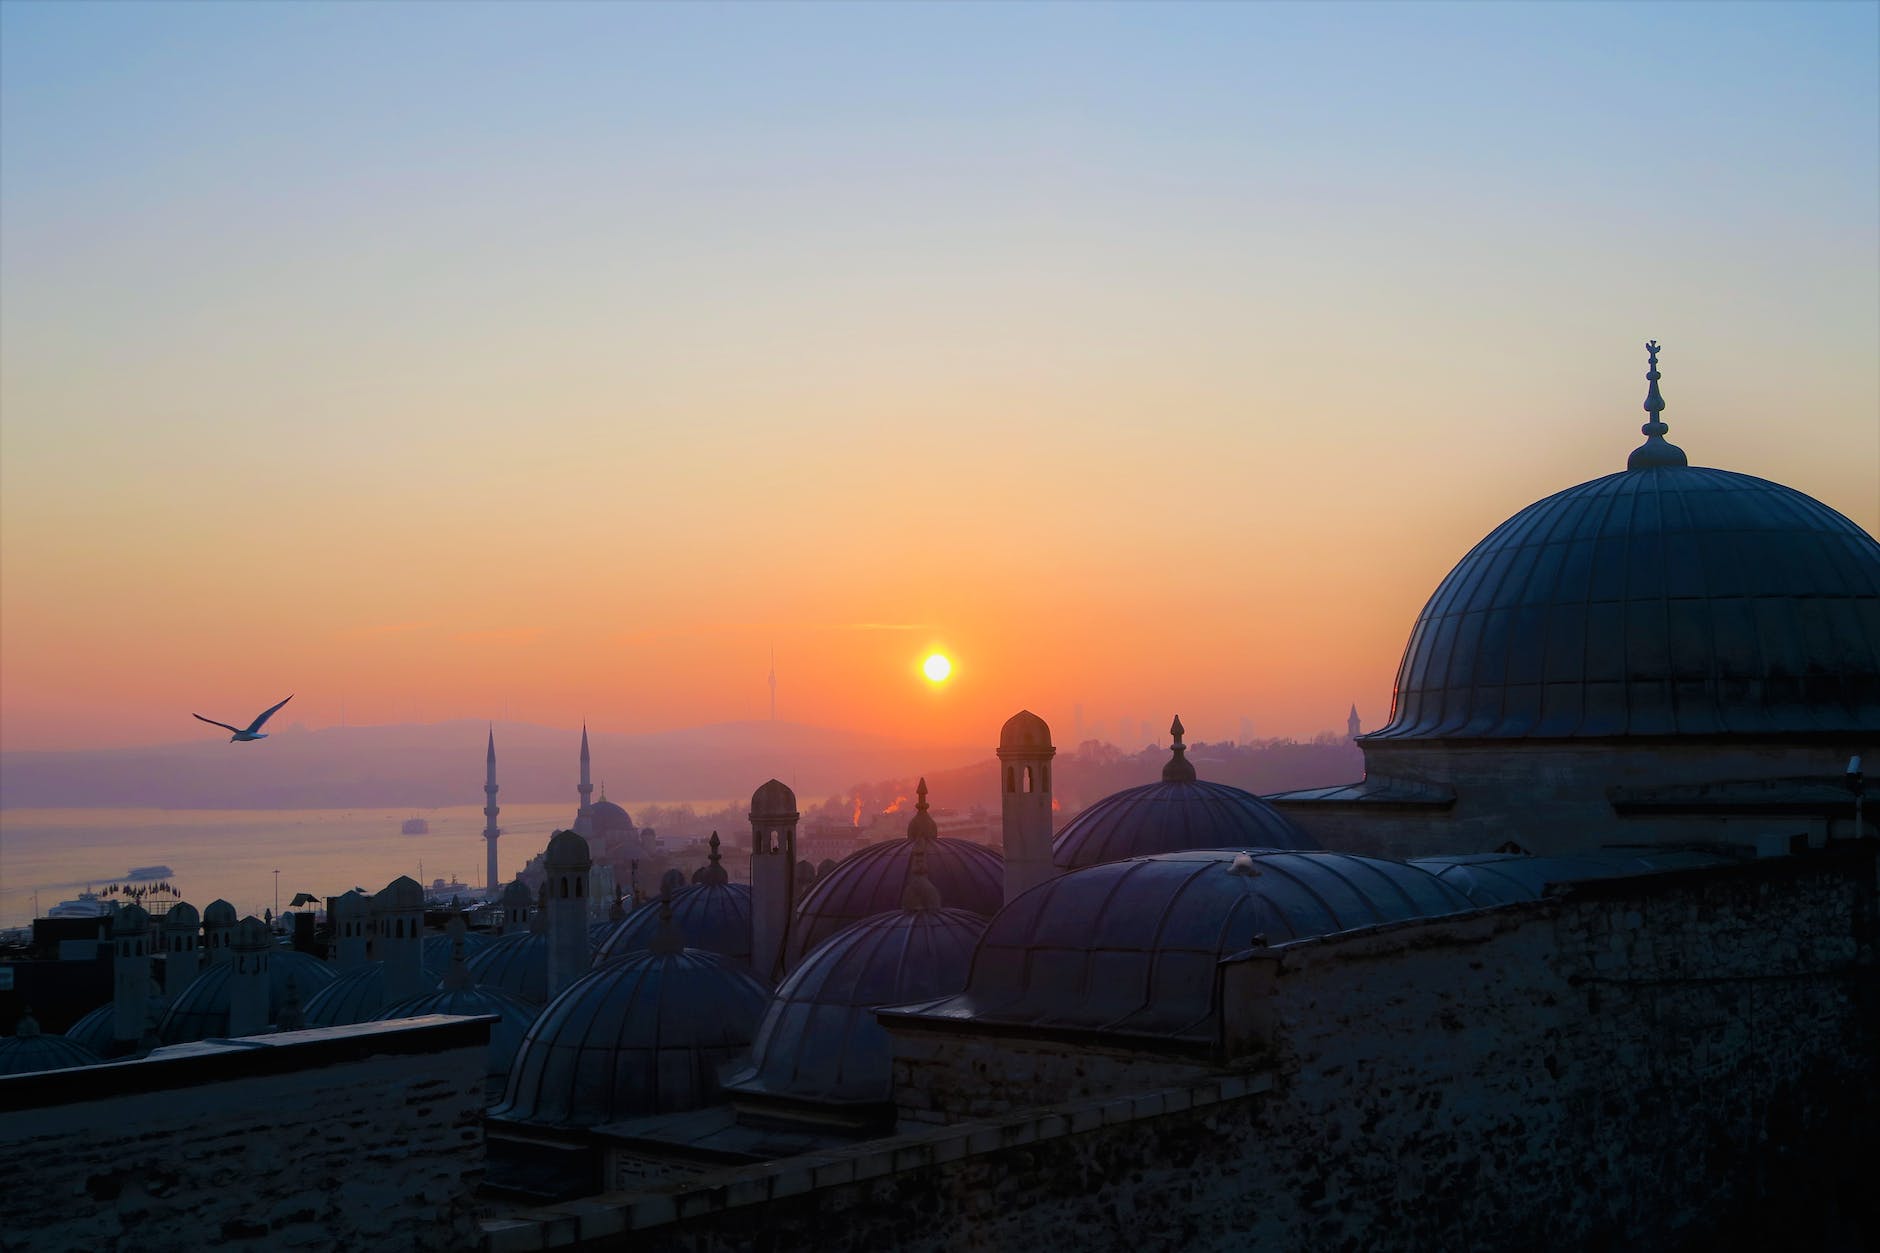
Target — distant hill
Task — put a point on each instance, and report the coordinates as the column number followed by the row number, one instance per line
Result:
column 442, row 764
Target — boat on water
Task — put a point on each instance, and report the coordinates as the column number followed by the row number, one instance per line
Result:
column 87, row 904
column 415, row 826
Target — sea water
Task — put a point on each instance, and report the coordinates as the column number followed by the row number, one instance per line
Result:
column 233, row 853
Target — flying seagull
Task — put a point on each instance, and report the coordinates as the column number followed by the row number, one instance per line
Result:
column 254, row 731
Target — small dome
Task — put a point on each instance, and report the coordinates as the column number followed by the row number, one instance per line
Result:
column 819, row 1039
column 514, row 1017
column 873, row 880
column 403, row 892
column 1131, row 946
column 1024, row 730
column 182, row 916
column 715, row 917
column 27, row 1051
column 200, row 1011
column 219, row 914
column 773, row 802
column 355, row 996
column 1667, row 600
column 434, row 951
column 567, row 851
column 96, row 1031
column 517, row 964
column 518, row 896
column 133, row 919
column 643, row 1035
column 1168, row 817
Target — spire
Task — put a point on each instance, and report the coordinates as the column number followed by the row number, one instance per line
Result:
column 714, row 874
column 1654, row 452
column 920, row 892
column 584, row 816
column 922, row 826
column 668, row 941
column 457, row 978
column 1179, row 769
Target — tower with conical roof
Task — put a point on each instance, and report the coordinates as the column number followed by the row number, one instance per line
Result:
column 773, row 875
column 584, row 816
column 1025, row 754
column 490, row 830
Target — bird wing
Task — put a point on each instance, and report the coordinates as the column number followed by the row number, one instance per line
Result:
column 264, row 715
column 212, row 722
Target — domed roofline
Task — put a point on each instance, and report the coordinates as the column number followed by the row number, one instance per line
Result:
column 1025, row 733
column 567, row 851
column 773, row 802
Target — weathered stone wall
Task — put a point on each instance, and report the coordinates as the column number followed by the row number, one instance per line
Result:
column 1684, row 1060
column 1552, row 797
column 365, row 1138
column 944, row 1078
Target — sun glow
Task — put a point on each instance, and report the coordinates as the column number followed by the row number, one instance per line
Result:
column 936, row 668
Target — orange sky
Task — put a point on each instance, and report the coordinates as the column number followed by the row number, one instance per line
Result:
column 1155, row 400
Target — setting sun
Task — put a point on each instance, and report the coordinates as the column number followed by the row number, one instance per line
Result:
column 937, row 668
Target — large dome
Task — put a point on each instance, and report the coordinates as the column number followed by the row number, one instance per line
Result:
column 1180, row 812
column 1131, row 946
column 356, row 995
column 1663, row 600
column 873, row 880
column 643, row 1035
column 820, row 1040
column 28, row 1051
column 517, row 964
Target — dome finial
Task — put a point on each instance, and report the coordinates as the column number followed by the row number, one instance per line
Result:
column 668, row 941
column 713, row 872
column 920, row 794
column 1179, row 768
column 921, row 892
column 922, row 826
column 1654, row 451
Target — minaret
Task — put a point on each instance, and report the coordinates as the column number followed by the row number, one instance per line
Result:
column 490, row 810
column 130, row 977
column 1025, row 754
column 773, row 874
column 248, row 982
column 1351, row 723
column 567, row 862
column 584, row 816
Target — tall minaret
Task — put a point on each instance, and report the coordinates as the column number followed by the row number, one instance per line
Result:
column 1025, row 754
column 1351, row 723
column 490, row 810
column 584, row 816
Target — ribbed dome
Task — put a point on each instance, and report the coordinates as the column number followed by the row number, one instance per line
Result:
column 1168, row 817
column 30, row 1051
column 643, row 1035
column 516, row 964
column 1131, row 946
column 355, row 996
column 873, row 880
column 715, row 917
column 1669, row 600
column 819, row 1039
column 514, row 1016
column 96, row 1032
column 434, row 951
column 200, row 1011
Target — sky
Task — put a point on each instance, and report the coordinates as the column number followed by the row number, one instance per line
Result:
column 556, row 362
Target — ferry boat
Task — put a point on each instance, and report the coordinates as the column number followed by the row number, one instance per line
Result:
column 415, row 826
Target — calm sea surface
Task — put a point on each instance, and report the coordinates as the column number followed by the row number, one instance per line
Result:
column 233, row 853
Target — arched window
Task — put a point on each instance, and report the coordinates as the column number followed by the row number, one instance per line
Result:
column 1028, row 778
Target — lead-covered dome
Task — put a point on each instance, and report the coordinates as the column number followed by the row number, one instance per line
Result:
column 29, row 1050
column 200, row 1010
column 1179, row 812
column 872, row 880
column 1666, row 599
column 1130, row 947
column 820, row 1041
column 643, row 1035
column 715, row 917
column 517, row 964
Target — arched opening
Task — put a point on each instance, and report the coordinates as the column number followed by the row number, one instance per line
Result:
column 1028, row 778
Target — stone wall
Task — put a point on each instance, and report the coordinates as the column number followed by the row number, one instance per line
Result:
column 1683, row 1060
column 1553, row 796
column 353, row 1137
